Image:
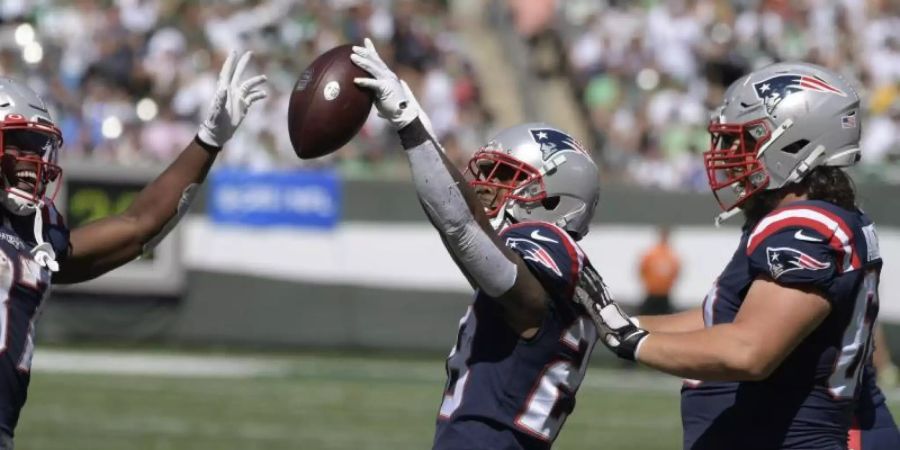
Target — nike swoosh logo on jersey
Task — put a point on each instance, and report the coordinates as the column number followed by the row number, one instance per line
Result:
column 539, row 237
column 803, row 237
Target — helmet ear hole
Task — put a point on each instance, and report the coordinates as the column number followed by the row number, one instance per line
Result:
column 795, row 147
column 550, row 203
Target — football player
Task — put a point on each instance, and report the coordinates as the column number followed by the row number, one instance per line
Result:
column 36, row 248
column 783, row 338
column 523, row 345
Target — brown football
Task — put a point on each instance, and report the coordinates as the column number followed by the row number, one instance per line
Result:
column 327, row 109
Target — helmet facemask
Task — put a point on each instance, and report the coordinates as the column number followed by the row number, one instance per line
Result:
column 28, row 164
column 733, row 168
column 501, row 180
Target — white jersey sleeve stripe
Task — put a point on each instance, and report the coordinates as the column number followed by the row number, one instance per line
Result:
column 782, row 218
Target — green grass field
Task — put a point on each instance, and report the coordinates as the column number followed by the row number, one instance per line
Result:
column 300, row 402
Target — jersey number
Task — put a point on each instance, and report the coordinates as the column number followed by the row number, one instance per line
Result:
column 553, row 395
column 29, row 277
column 457, row 365
column 856, row 343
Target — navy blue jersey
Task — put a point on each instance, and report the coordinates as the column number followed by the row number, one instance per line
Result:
column 23, row 286
column 508, row 393
column 873, row 425
column 807, row 402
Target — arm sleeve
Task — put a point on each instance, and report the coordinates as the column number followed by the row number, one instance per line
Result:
column 443, row 201
column 550, row 254
column 795, row 255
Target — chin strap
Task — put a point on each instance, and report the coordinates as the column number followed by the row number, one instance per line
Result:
column 16, row 204
column 499, row 221
column 43, row 252
column 722, row 217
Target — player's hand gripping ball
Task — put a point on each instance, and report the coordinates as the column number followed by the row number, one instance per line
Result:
column 326, row 108
column 393, row 97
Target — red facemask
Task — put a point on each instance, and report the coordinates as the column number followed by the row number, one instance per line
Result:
column 732, row 167
column 27, row 146
column 506, row 177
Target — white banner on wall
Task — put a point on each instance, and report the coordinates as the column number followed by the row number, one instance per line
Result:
column 411, row 256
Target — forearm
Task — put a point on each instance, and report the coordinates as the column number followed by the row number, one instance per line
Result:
column 158, row 203
column 103, row 245
column 416, row 133
column 690, row 320
column 715, row 353
column 442, row 196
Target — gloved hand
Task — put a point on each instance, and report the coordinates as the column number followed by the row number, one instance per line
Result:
column 616, row 329
column 618, row 332
column 393, row 97
column 233, row 99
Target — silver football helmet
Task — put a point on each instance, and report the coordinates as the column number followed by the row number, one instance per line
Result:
column 775, row 125
column 29, row 148
column 538, row 172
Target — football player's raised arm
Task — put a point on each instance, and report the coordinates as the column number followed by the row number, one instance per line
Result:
column 458, row 215
column 771, row 322
column 101, row 246
column 450, row 203
column 105, row 244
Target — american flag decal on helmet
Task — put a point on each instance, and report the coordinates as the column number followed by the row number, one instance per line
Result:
column 786, row 259
column 849, row 120
column 773, row 90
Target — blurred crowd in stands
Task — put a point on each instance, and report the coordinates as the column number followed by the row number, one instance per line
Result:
column 646, row 72
column 130, row 79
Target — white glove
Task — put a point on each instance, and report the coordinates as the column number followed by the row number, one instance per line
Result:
column 233, row 99
column 393, row 98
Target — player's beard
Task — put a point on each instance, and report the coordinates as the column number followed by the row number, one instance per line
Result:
column 757, row 206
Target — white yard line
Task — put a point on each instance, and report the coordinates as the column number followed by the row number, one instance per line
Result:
column 170, row 364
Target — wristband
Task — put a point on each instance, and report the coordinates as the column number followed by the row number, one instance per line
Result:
column 414, row 134
column 210, row 148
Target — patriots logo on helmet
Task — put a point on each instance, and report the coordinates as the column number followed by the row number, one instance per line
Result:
column 786, row 259
column 552, row 141
column 532, row 251
column 773, row 90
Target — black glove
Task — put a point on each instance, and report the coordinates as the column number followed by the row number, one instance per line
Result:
column 617, row 332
